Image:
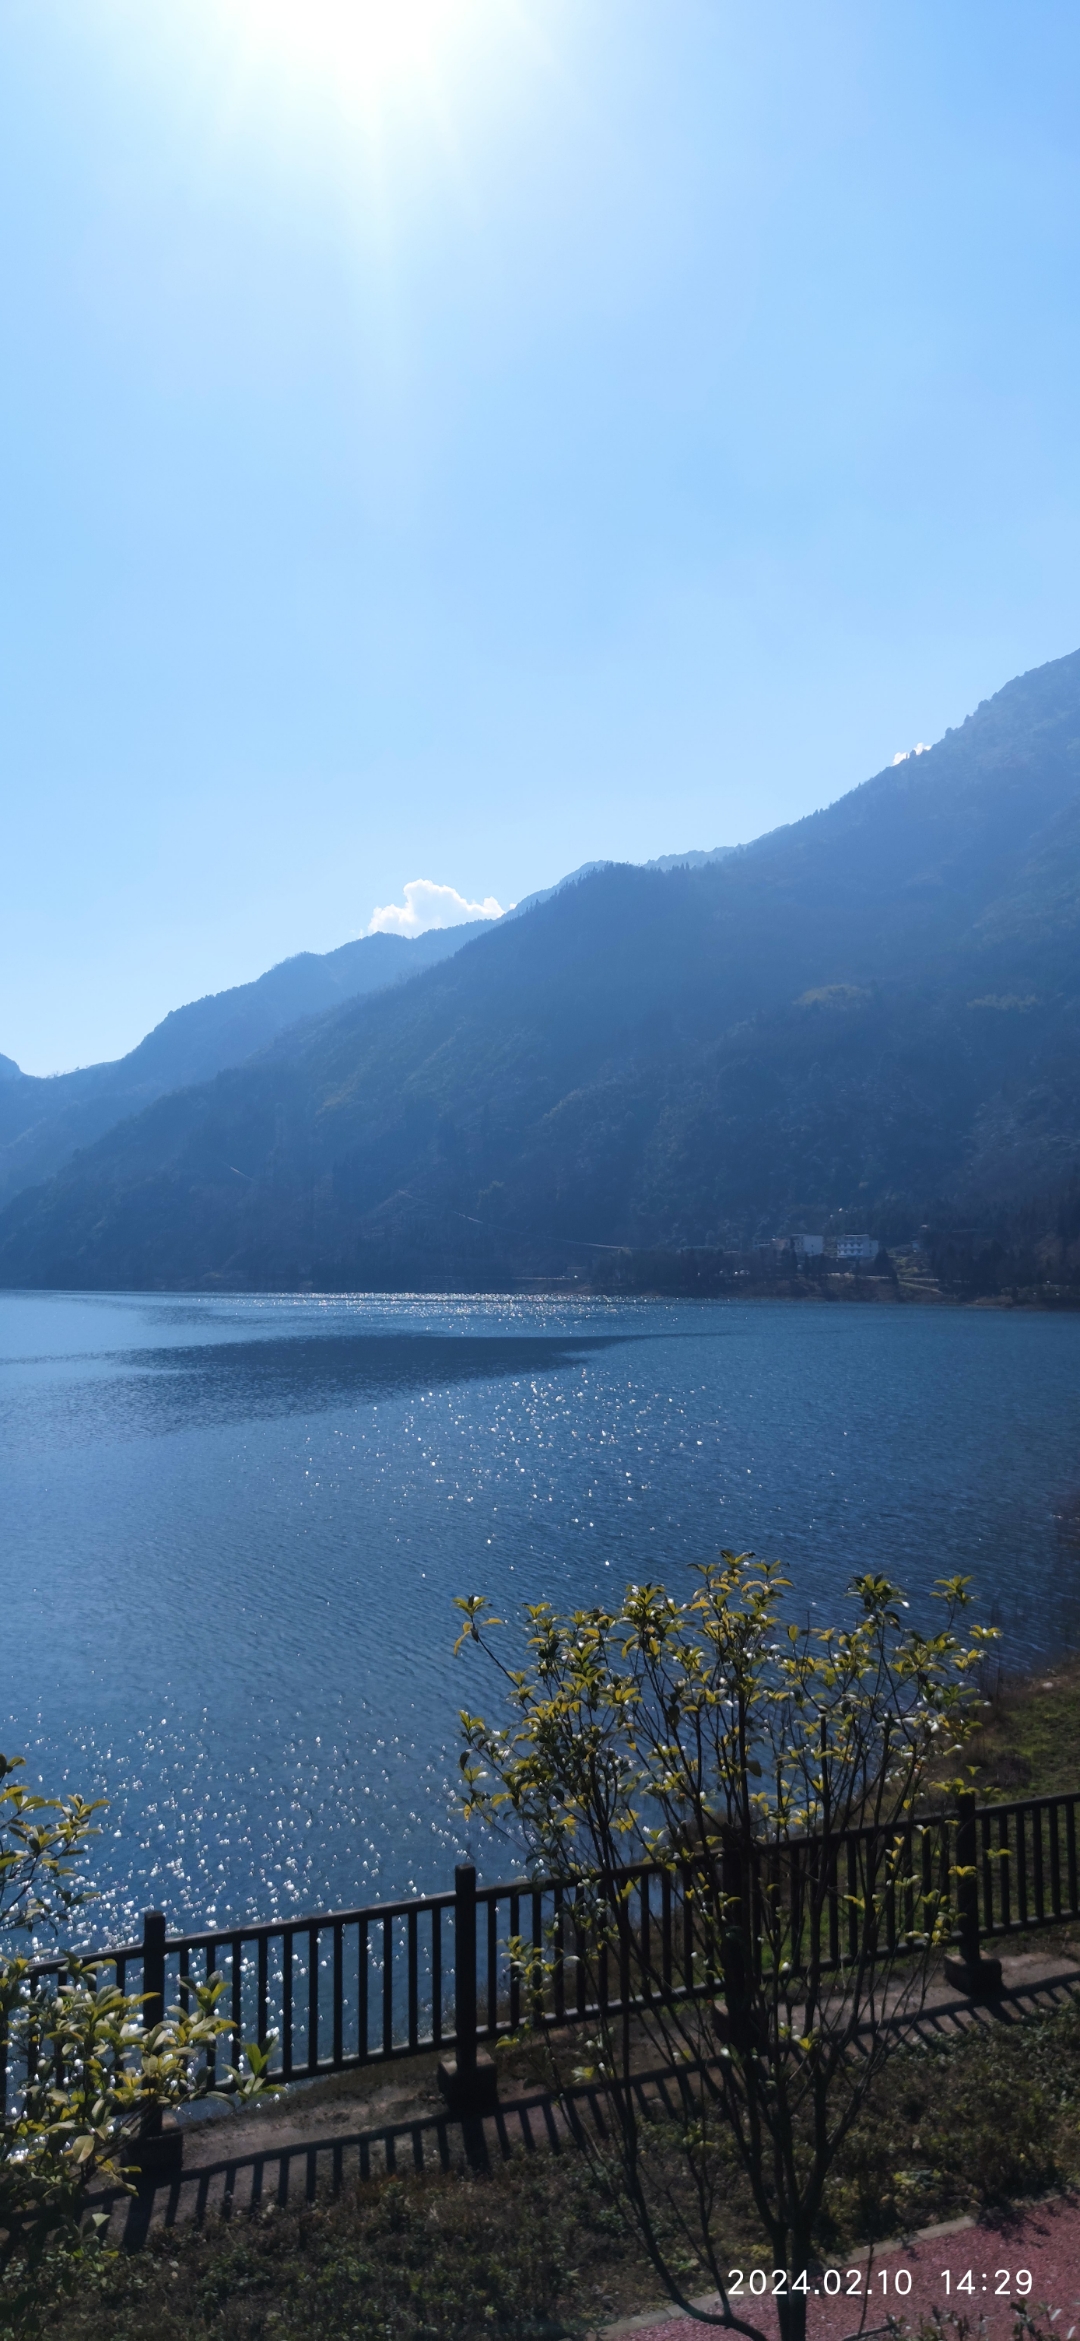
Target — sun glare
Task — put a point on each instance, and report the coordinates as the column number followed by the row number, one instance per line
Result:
column 364, row 48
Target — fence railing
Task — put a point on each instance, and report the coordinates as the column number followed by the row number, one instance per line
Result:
column 451, row 1971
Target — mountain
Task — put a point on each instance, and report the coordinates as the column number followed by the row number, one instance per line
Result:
column 874, row 1012
column 43, row 1122
column 548, row 893
column 691, row 861
column 667, row 861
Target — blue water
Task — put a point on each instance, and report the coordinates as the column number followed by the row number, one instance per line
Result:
column 233, row 1529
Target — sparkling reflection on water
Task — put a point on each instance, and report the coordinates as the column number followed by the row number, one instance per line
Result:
column 233, row 1529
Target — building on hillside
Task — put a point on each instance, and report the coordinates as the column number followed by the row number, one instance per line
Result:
column 857, row 1247
column 808, row 1247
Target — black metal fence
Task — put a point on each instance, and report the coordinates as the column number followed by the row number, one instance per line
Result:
column 353, row 1988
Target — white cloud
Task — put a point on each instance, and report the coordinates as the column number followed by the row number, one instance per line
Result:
column 427, row 905
column 921, row 748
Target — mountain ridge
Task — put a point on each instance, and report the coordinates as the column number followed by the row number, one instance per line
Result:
column 874, row 1010
column 46, row 1119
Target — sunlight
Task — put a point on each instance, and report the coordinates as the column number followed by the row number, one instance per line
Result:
column 365, row 49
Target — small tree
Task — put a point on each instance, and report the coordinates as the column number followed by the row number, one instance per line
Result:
column 773, row 1771
column 88, row 2074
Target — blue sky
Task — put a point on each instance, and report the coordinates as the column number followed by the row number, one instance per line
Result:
column 622, row 429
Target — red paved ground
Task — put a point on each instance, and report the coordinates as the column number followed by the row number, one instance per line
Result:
column 1046, row 2242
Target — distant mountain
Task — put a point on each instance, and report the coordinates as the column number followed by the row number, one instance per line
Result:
column 43, row 1122
column 667, row 861
column 691, row 861
column 548, row 893
column 873, row 1011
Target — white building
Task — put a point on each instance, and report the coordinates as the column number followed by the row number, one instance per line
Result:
column 857, row 1247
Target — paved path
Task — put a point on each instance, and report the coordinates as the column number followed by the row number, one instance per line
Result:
column 908, row 2280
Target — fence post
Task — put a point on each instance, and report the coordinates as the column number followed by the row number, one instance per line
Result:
column 465, row 1967
column 160, row 2146
column 468, row 2081
column 153, row 1983
column 153, row 1968
column 970, row 1972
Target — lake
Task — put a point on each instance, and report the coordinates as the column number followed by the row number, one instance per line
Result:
column 233, row 1529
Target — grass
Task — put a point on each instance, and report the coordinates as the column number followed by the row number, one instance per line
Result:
column 1029, row 1744
column 523, row 2254
column 970, row 2123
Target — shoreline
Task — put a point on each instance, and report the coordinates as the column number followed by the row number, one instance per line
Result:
column 842, row 1289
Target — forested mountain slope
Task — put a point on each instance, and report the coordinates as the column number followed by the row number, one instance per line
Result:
column 872, row 1010
column 42, row 1122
